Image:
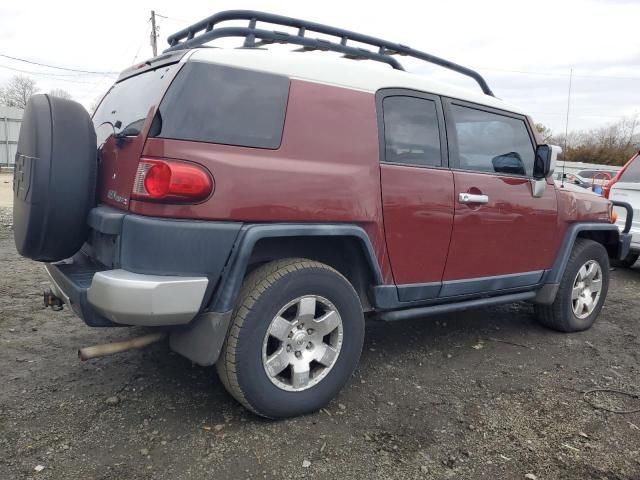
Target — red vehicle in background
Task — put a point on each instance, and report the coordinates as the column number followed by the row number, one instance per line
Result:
column 258, row 205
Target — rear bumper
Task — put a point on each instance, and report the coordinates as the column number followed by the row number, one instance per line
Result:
column 105, row 298
column 148, row 271
column 135, row 299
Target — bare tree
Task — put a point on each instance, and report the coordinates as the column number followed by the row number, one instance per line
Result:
column 610, row 145
column 60, row 93
column 95, row 104
column 544, row 131
column 18, row 91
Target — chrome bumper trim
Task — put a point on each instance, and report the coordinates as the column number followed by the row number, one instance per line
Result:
column 150, row 300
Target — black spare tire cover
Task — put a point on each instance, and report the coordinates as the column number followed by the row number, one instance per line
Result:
column 54, row 179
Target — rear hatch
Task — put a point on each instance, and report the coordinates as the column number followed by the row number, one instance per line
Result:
column 122, row 122
column 627, row 189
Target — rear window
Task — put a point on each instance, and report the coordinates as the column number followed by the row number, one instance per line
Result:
column 127, row 103
column 632, row 173
column 220, row 104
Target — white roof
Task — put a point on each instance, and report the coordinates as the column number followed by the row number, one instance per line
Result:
column 368, row 76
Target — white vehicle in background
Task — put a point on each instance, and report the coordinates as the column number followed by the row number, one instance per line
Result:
column 625, row 187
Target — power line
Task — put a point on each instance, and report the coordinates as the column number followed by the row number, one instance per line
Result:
column 174, row 19
column 47, row 75
column 564, row 75
column 58, row 68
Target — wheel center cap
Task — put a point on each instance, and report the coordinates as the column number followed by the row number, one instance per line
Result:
column 299, row 339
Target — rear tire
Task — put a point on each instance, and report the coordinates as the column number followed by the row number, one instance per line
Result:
column 626, row 262
column 295, row 338
column 582, row 290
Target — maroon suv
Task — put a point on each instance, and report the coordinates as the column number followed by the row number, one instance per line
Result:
column 259, row 204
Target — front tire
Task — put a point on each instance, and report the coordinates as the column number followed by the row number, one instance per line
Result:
column 295, row 338
column 582, row 290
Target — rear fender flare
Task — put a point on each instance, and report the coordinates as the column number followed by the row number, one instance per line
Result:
column 233, row 275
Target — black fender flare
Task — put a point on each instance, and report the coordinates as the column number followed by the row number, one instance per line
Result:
column 551, row 278
column 226, row 293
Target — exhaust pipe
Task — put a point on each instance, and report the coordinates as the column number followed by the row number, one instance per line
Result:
column 97, row 351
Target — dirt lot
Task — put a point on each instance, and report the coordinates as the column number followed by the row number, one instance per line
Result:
column 483, row 394
column 6, row 194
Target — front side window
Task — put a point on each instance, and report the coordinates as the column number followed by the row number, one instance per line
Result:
column 488, row 142
column 411, row 133
column 221, row 104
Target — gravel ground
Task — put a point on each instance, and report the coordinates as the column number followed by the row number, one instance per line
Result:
column 482, row 394
column 6, row 193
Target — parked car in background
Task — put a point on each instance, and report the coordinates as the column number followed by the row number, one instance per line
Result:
column 588, row 179
column 573, row 179
column 625, row 187
column 600, row 176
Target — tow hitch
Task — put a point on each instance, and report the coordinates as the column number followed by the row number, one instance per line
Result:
column 51, row 300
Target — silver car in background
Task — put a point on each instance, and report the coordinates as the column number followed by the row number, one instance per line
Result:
column 625, row 187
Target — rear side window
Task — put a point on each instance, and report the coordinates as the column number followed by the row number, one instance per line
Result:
column 632, row 173
column 220, row 104
column 411, row 133
column 489, row 142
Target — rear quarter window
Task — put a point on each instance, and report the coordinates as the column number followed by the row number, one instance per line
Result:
column 220, row 104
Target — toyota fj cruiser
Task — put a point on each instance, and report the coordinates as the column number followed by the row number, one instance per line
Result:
column 259, row 203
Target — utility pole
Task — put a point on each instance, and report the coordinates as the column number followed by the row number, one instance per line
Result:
column 154, row 34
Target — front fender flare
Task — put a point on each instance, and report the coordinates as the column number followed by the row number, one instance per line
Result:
column 552, row 277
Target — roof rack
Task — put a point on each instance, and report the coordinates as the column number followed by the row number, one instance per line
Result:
column 208, row 30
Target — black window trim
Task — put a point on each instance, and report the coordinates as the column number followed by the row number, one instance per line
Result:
column 405, row 92
column 452, row 137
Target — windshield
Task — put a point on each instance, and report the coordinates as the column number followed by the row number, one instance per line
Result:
column 126, row 105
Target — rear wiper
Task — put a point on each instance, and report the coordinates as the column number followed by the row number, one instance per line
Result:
column 131, row 130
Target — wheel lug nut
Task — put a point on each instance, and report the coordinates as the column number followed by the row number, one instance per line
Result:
column 288, row 348
column 309, row 346
column 310, row 331
column 298, row 354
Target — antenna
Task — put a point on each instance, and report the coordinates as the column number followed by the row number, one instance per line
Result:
column 566, row 127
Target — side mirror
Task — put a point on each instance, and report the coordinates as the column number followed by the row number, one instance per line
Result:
column 545, row 161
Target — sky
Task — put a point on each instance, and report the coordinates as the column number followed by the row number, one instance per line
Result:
column 525, row 50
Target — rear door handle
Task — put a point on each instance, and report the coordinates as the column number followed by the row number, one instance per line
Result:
column 472, row 198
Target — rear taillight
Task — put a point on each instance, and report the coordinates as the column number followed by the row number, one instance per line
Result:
column 172, row 181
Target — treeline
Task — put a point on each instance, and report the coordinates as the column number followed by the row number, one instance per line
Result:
column 18, row 90
column 609, row 145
